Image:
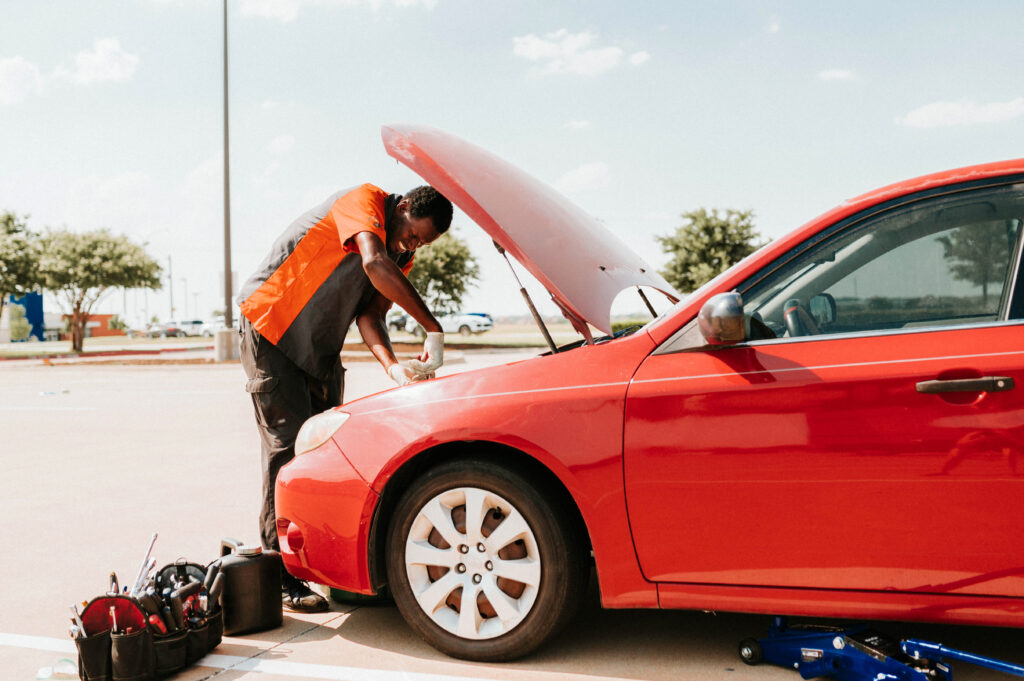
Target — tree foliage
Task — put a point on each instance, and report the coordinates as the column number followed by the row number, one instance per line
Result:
column 979, row 254
column 19, row 326
column 80, row 268
column 442, row 273
column 706, row 245
column 19, row 257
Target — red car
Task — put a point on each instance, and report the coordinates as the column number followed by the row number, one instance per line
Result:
column 832, row 427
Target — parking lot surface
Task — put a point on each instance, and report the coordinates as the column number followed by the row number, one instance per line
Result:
column 97, row 457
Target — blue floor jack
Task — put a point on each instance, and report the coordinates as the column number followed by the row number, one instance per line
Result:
column 858, row 654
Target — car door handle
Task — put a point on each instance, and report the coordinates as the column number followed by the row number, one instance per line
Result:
column 985, row 384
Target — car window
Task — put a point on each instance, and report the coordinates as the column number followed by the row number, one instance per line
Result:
column 939, row 262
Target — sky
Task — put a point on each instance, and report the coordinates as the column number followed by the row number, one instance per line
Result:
column 111, row 113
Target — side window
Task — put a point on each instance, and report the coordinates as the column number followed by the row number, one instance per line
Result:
column 939, row 262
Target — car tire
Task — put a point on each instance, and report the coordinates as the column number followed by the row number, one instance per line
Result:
column 510, row 618
column 465, row 330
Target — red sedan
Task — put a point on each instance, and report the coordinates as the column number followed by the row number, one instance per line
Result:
column 832, row 428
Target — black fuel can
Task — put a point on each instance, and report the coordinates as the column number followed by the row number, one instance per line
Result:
column 252, row 587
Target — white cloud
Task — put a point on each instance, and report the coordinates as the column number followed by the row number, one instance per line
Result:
column 587, row 177
column 963, row 112
column 564, row 52
column 837, row 74
column 287, row 10
column 281, row 145
column 105, row 62
column 577, row 125
column 638, row 58
column 774, row 25
column 19, row 78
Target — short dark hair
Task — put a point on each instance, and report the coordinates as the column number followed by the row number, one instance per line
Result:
column 427, row 202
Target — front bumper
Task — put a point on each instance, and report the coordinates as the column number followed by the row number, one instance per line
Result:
column 324, row 509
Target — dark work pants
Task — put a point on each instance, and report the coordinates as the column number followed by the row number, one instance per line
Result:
column 284, row 396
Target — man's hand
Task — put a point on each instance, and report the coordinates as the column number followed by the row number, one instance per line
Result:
column 433, row 354
column 401, row 374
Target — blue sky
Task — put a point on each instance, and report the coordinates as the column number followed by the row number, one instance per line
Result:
column 110, row 112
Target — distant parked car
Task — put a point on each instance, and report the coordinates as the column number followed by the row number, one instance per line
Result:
column 191, row 327
column 165, row 330
column 207, row 329
column 399, row 321
column 467, row 323
column 464, row 324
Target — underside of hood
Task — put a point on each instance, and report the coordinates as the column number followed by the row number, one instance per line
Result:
column 576, row 258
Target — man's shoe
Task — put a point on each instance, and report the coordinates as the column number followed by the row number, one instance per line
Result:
column 298, row 597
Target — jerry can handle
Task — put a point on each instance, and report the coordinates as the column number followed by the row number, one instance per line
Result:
column 229, row 545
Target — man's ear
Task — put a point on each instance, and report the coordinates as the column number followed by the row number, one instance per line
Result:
column 402, row 205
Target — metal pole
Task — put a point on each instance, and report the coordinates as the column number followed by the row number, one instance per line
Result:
column 228, row 294
column 170, row 286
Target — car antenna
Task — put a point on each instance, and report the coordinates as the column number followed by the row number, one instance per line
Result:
column 529, row 301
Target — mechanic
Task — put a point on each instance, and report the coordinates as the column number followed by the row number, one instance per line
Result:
column 346, row 259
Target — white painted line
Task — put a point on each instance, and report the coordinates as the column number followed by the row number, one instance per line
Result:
column 57, row 645
column 44, row 408
column 256, row 664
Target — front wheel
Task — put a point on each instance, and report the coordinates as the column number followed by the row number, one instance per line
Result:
column 482, row 564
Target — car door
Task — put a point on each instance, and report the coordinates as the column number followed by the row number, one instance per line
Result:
column 875, row 442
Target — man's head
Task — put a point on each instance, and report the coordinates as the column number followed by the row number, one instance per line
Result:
column 420, row 217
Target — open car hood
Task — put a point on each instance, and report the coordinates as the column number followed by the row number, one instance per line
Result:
column 582, row 264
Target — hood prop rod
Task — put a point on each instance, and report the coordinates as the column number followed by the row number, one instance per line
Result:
column 647, row 302
column 529, row 301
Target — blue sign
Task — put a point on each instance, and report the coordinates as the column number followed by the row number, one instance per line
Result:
column 33, row 304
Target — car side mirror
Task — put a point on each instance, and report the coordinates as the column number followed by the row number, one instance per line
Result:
column 823, row 308
column 721, row 319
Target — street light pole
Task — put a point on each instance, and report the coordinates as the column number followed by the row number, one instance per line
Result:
column 170, row 285
column 228, row 294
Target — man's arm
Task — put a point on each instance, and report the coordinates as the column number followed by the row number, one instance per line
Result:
column 389, row 281
column 372, row 325
column 373, row 329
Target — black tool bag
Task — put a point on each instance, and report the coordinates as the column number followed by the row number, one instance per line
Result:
column 138, row 650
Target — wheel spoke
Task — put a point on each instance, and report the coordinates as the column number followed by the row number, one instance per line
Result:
column 469, row 613
column 433, row 597
column 511, row 528
column 503, row 604
column 440, row 516
column 525, row 570
column 476, row 509
column 422, row 553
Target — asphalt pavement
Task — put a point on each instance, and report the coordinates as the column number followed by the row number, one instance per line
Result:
column 99, row 456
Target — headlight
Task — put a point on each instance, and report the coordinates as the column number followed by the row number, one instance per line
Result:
column 318, row 430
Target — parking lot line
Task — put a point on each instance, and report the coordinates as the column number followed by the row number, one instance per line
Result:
column 255, row 664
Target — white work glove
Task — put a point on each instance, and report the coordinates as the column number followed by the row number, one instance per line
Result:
column 401, row 374
column 433, row 354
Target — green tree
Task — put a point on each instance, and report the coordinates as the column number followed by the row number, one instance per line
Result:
column 19, row 257
column 979, row 253
column 19, row 326
column 80, row 268
column 706, row 245
column 442, row 273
